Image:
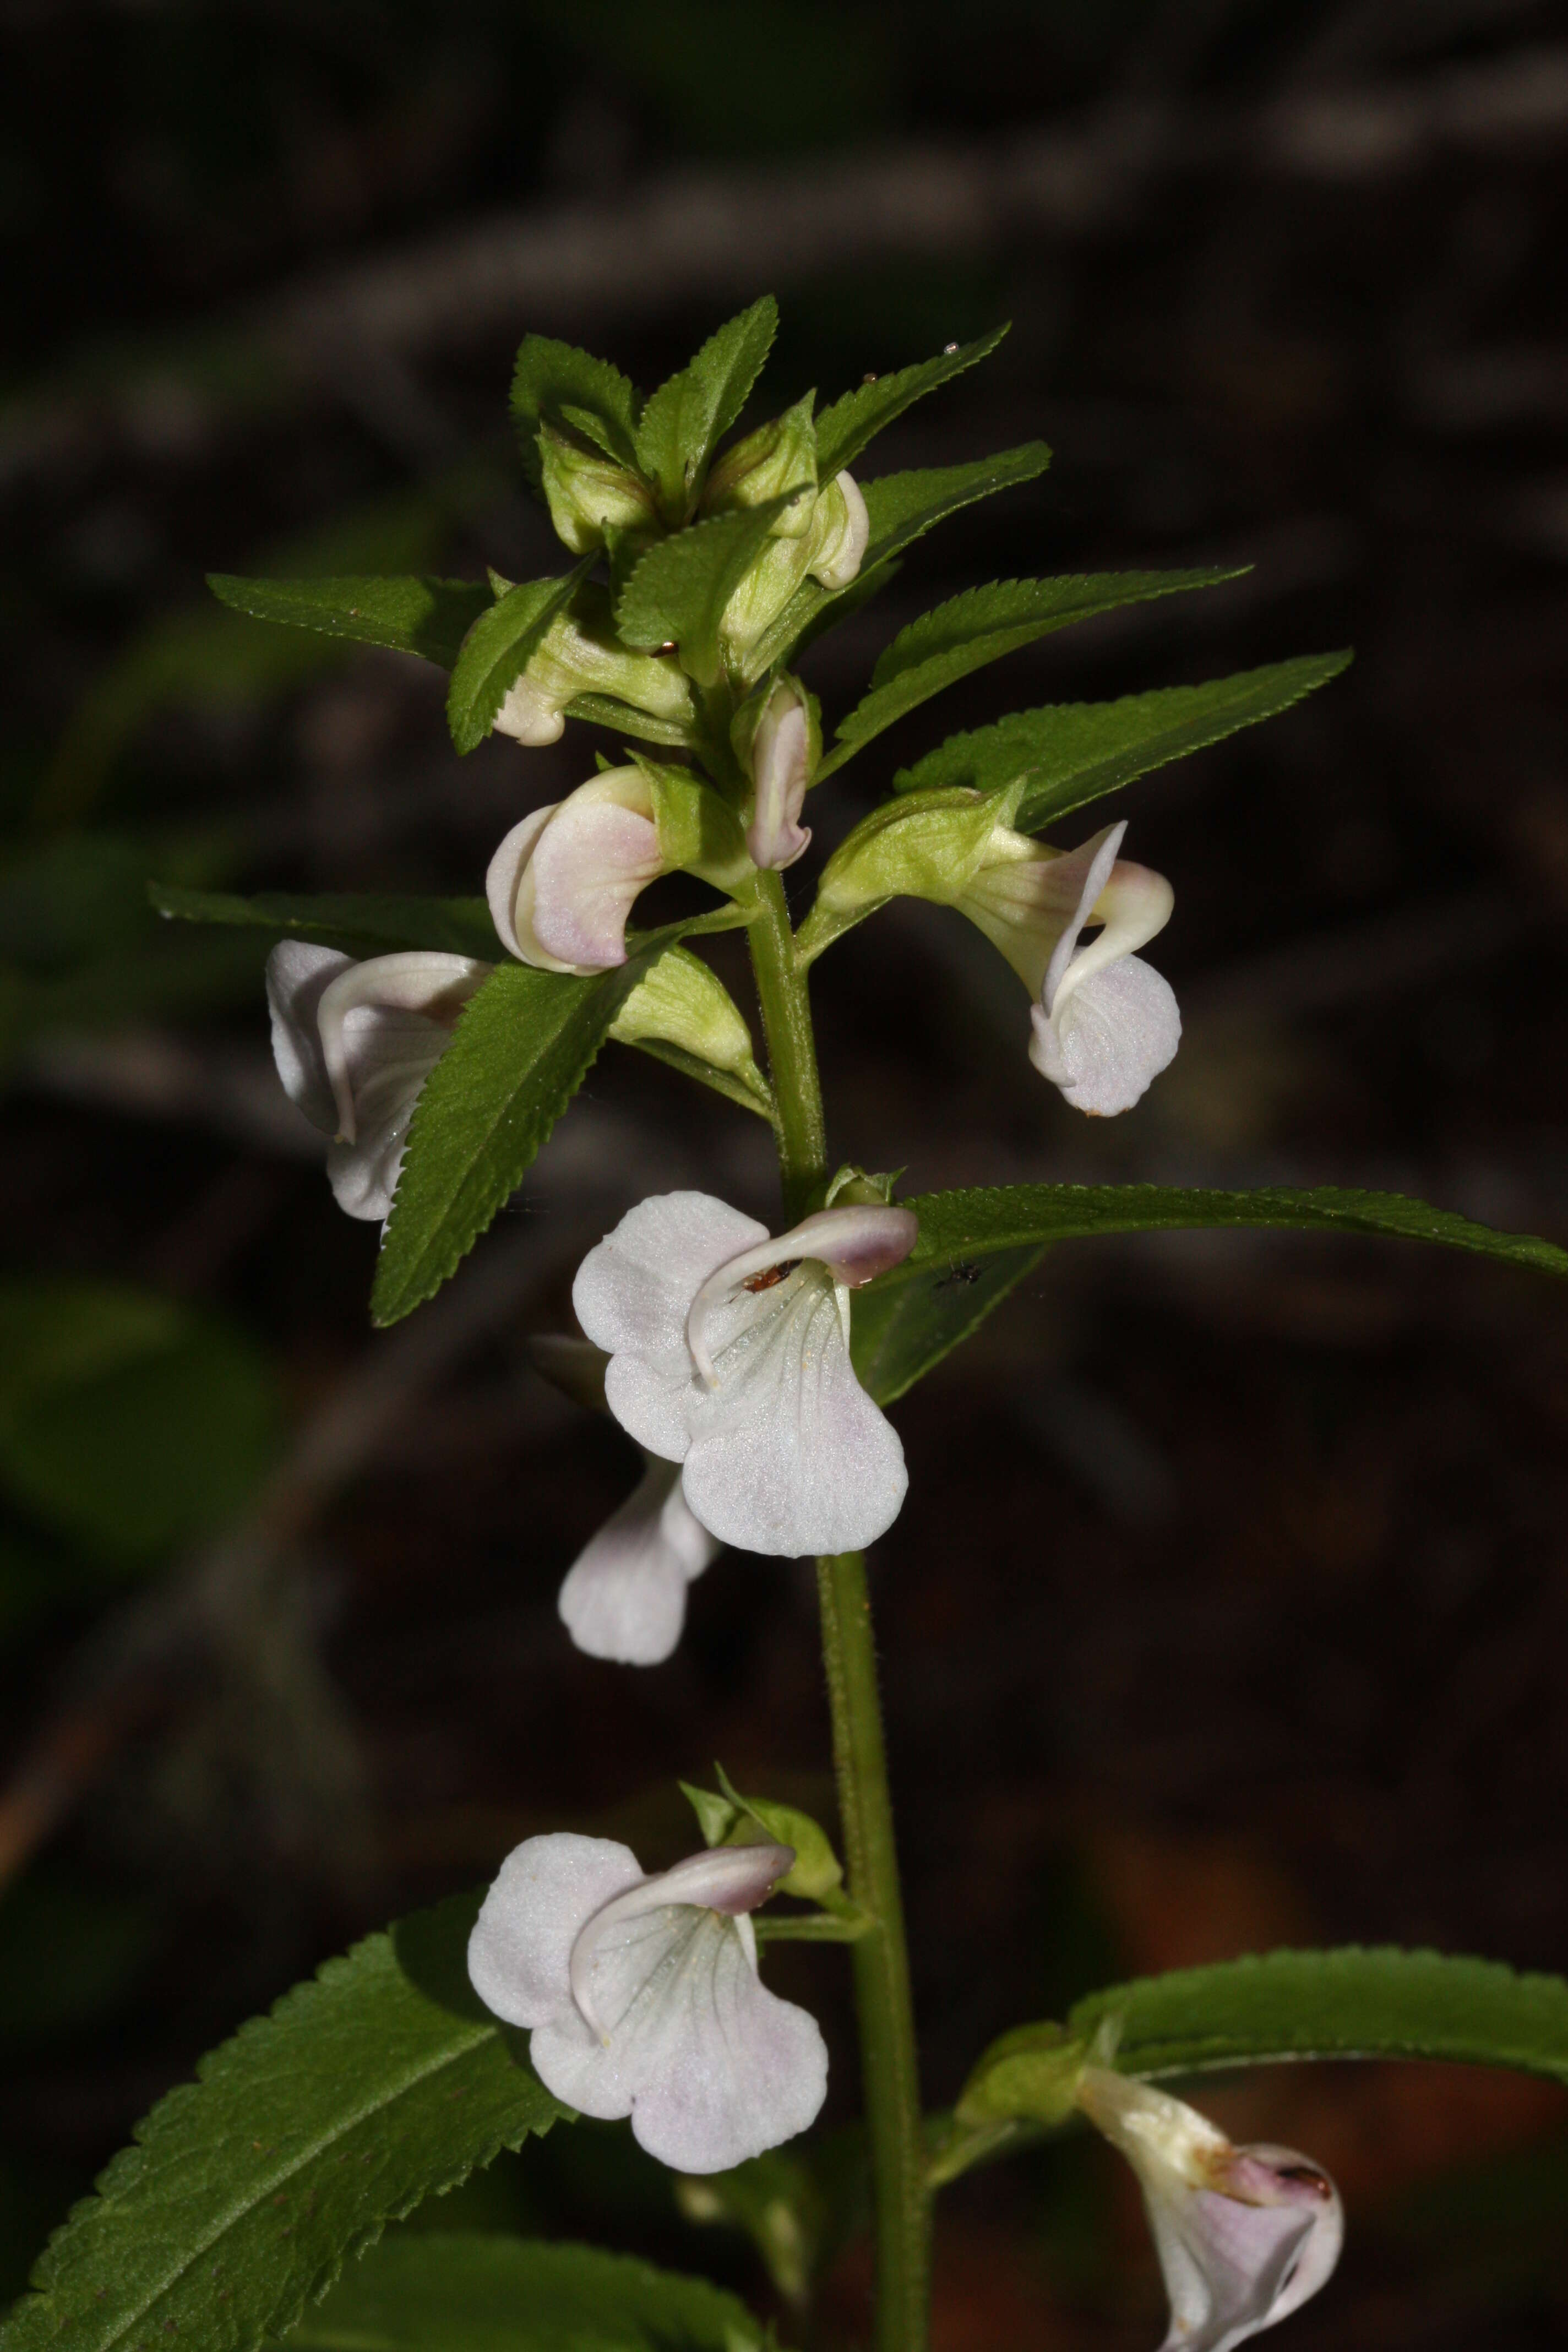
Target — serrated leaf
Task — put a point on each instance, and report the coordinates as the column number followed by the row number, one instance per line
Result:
column 437, row 2291
column 1072, row 752
column 383, row 2081
column 413, row 614
column 844, row 429
column 690, row 413
column 974, row 1246
column 1340, row 2004
column 361, row 925
column 520, row 1050
column 898, row 1335
column 496, row 652
column 555, row 381
column 984, row 624
column 900, row 509
column 679, row 589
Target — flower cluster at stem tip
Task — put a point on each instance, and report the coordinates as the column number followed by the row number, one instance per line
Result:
column 724, row 1350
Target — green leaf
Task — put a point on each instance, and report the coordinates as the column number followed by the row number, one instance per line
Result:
column 1340, row 2004
column 556, row 380
column 413, row 614
column 360, row 924
column 680, row 588
column 128, row 1421
column 899, row 1333
column 496, row 652
column 1072, row 752
column 984, row 624
column 520, row 1050
column 844, row 430
column 383, row 2081
column 688, row 415
column 436, row 2291
column 900, row 509
column 976, row 1247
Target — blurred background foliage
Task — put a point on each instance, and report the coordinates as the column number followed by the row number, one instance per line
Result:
column 1228, row 1609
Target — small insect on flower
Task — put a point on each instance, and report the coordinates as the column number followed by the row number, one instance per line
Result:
column 769, row 1277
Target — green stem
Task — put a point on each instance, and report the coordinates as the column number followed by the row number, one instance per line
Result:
column 880, row 1959
column 889, row 2066
column 792, row 1048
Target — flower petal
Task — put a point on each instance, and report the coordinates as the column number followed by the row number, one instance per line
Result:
column 298, row 974
column 1109, row 1039
column 1244, row 2235
column 624, row 1597
column 632, row 1294
column 781, row 760
column 679, row 2031
column 519, row 1953
column 788, row 1454
column 503, row 875
column 420, row 984
column 854, row 1245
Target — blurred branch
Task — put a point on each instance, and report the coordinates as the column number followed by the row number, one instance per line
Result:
column 701, row 237
column 219, row 1610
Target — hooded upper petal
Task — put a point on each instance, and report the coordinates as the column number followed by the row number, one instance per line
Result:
column 780, row 766
column 564, row 881
column 298, row 974
column 624, row 1597
column 1244, row 2235
column 648, row 2002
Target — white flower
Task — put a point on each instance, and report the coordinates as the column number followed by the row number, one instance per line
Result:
column 643, row 1995
column 624, row 1596
column 563, row 882
column 1107, row 1023
column 1245, row 2235
column 781, row 765
column 729, row 1354
column 355, row 1042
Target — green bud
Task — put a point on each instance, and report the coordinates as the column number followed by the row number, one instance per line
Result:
column 920, row 846
column 684, row 1006
column 730, row 1819
column 829, row 551
column 582, row 654
column 588, row 494
column 1031, row 2073
column 857, row 1190
column 777, row 461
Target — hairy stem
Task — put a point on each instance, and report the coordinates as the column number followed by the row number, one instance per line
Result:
column 889, row 2065
column 792, row 1048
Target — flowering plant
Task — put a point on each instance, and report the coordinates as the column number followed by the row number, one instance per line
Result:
column 437, row 1043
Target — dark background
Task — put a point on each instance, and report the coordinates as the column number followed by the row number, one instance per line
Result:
column 1227, row 1608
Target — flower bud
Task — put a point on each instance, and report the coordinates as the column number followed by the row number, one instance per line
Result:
column 784, row 745
column 563, row 883
column 684, row 1009
column 828, row 551
column 588, row 494
column 581, row 654
column 777, row 461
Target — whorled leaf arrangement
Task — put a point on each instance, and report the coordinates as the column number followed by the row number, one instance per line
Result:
column 384, row 2081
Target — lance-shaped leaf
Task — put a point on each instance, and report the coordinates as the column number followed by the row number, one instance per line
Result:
column 689, row 413
column 900, row 508
column 497, row 650
column 974, row 1246
column 556, row 382
column 984, row 624
column 413, row 614
column 435, row 2291
column 520, row 1049
column 608, row 711
column 679, row 589
column 1072, row 752
column 1340, row 2004
column 383, row 2081
column 361, row 925
column 845, row 429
